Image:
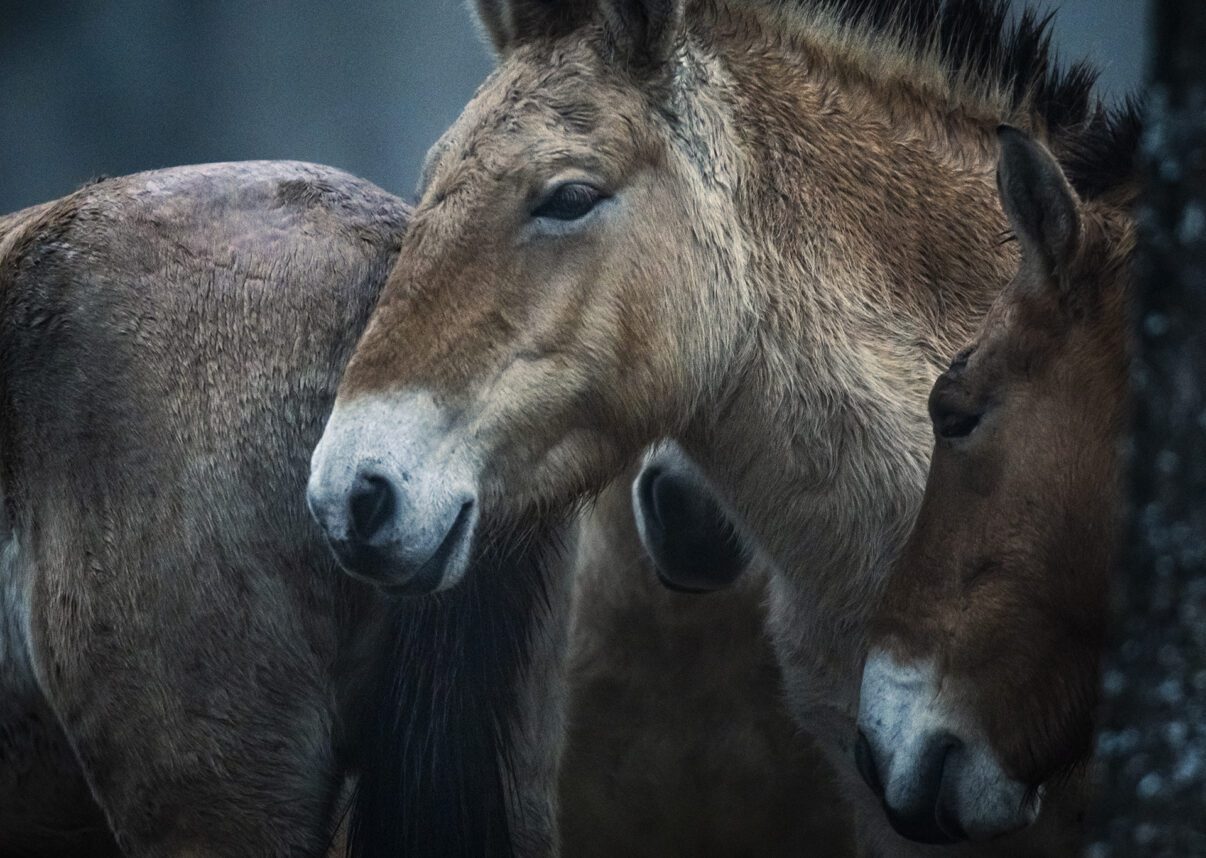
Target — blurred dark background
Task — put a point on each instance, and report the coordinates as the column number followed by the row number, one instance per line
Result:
column 105, row 87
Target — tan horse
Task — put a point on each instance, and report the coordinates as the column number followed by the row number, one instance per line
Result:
column 983, row 668
column 183, row 669
column 752, row 227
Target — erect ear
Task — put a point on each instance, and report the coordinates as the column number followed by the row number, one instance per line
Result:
column 492, row 20
column 507, row 23
column 694, row 544
column 1040, row 204
column 643, row 30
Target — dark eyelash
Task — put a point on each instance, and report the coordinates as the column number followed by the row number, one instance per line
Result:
column 570, row 201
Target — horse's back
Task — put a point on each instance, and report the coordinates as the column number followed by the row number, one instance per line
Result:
column 172, row 339
column 170, row 343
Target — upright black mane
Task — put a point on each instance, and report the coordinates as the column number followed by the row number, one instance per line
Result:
column 983, row 42
column 438, row 741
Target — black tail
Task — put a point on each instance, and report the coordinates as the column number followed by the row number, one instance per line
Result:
column 436, row 754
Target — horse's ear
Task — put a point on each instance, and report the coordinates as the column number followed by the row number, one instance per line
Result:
column 1042, row 207
column 507, row 23
column 693, row 543
column 492, row 19
column 644, row 31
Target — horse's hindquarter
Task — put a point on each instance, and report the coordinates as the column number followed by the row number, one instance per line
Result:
column 171, row 343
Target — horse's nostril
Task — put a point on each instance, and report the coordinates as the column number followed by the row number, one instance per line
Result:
column 370, row 507
column 919, row 817
column 864, row 759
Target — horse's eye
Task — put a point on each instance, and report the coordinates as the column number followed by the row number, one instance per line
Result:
column 953, row 413
column 570, row 201
column 955, row 424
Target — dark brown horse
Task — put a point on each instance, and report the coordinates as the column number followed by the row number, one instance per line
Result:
column 982, row 675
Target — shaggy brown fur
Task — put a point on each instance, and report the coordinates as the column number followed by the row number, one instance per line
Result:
column 794, row 223
column 170, row 345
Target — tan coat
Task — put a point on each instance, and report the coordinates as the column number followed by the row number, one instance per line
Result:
column 755, row 228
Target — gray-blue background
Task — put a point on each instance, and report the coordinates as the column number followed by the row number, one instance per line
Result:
column 91, row 87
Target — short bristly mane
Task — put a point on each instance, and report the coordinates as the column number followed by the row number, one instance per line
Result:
column 978, row 56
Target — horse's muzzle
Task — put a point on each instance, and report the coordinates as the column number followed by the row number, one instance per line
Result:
column 393, row 514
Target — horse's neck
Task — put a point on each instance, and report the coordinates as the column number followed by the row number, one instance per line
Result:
column 876, row 251
column 827, row 470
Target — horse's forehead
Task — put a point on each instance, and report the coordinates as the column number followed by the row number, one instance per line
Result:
column 534, row 99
